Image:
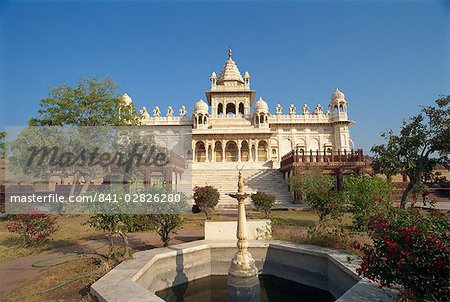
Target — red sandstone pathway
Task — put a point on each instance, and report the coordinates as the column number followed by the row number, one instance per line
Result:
column 15, row 273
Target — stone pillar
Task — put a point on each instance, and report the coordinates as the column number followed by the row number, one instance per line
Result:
column 239, row 150
column 223, row 151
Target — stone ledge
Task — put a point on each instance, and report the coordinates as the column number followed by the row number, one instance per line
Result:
column 257, row 229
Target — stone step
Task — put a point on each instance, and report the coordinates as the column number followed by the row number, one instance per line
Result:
column 267, row 180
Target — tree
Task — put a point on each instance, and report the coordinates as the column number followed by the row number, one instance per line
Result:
column 310, row 182
column 113, row 225
column 92, row 102
column 423, row 143
column 263, row 202
column 2, row 144
column 166, row 225
column 206, row 198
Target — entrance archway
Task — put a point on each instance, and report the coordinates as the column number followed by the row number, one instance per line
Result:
column 200, row 152
column 231, row 152
column 218, row 155
column 245, row 151
column 262, row 151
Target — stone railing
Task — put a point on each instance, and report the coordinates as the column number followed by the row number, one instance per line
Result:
column 299, row 156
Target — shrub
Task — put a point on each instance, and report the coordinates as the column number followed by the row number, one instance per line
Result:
column 113, row 225
column 327, row 204
column 206, row 198
column 366, row 196
column 311, row 182
column 166, row 225
column 409, row 249
column 263, row 202
column 328, row 234
column 34, row 228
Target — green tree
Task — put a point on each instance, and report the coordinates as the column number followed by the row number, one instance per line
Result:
column 263, row 202
column 310, row 182
column 166, row 225
column 206, row 198
column 423, row 143
column 93, row 102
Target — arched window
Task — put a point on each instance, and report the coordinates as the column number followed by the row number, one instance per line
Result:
column 241, row 108
column 231, row 152
column 231, row 108
column 200, row 119
column 262, row 151
column 200, row 152
column 220, row 109
column 218, row 152
column 261, row 119
column 245, row 151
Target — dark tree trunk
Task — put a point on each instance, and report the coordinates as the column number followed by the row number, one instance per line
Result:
column 126, row 243
column 406, row 192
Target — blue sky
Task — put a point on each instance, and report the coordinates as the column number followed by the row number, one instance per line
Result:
column 389, row 57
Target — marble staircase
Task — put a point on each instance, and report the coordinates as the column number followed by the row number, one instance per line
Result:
column 225, row 180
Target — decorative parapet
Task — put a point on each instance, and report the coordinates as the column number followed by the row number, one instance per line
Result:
column 167, row 120
column 239, row 87
column 307, row 118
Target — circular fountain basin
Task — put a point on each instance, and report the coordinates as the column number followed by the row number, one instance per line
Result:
column 152, row 273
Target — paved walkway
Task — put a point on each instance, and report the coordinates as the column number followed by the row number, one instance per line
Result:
column 15, row 273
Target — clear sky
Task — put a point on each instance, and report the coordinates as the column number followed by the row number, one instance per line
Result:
column 388, row 57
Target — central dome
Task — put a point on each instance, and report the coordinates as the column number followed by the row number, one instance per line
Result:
column 230, row 71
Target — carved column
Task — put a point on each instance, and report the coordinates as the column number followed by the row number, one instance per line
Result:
column 239, row 150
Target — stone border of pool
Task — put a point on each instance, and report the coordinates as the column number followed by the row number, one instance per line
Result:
column 149, row 271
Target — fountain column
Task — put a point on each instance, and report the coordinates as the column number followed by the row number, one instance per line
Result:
column 243, row 282
column 242, row 264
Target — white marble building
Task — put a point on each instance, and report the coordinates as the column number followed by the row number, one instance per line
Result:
column 230, row 127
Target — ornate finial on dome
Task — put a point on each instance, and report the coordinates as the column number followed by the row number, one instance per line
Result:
column 230, row 53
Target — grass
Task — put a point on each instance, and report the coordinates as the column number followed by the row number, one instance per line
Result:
column 70, row 231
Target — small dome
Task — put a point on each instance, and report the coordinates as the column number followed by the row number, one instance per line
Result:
column 261, row 106
column 213, row 75
column 246, row 75
column 338, row 95
column 126, row 98
column 201, row 106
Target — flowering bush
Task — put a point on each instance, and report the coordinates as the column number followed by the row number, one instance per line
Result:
column 409, row 249
column 326, row 203
column 366, row 196
column 33, row 228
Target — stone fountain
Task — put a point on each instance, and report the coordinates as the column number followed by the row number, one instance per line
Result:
column 301, row 272
column 243, row 283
